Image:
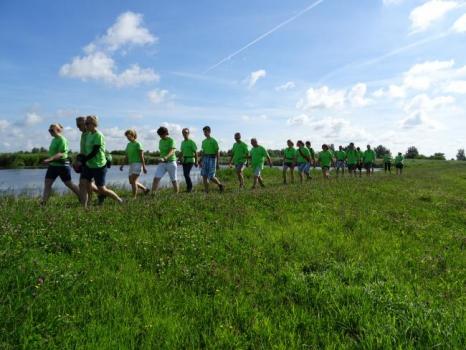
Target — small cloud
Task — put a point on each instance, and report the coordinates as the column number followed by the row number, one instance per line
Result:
column 301, row 119
column 136, row 116
column 254, row 77
column 287, row 86
column 4, row 124
column 423, row 16
column 157, row 96
column 357, row 95
column 460, row 24
column 322, row 98
column 456, row 87
column 32, row 119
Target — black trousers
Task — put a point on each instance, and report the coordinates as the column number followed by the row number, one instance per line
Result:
column 388, row 166
column 186, row 173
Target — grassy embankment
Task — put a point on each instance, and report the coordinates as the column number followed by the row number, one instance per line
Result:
column 366, row 263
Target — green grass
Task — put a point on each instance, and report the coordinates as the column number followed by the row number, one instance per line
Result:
column 353, row 263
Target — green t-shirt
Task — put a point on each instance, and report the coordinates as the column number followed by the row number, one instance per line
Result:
column 399, row 159
column 301, row 153
column 290, row 154
column 352, row 156
column 325, row 158
column 133, row 152
column 82, row 143
column 369, row 156
column 387, row 158
column 258, row 155
column 59, row 145
column 360, row 155
column 210, row 146
column 312, row 152
column 165, row 146
column 239, row 152
column 188, row 149
column 95, row 139
column 340, row 155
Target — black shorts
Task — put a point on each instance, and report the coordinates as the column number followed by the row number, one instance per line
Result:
column 400, row 166
column 54, row 171
column 368, row 165
column 359, row 166
column 98, row 174
column 352, row 167
column 325, row 168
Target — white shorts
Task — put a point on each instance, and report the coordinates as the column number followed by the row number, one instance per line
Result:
column 135, row 169
column 164, row 168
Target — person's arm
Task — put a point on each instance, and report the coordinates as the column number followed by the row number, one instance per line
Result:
column 125, row 161
column 53, row 158
column 169, row 154
column 143, row 161
column 93, row 153
column 269, row 160
column 217, row 156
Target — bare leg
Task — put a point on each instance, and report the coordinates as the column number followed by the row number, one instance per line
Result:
column 205, row 180
column 109, row 193
column 175, row 186
column 292, row 175
column 73, row 188
column 284, row 176
column 239, row 173
column 47, row 190
column 254, row 184
column 133, row 182
column 155, row 184
column 261, row 181
column 84, row 188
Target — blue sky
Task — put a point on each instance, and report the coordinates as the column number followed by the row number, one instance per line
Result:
column 389, row 72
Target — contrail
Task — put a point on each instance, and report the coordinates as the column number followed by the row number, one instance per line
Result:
column 263, row 36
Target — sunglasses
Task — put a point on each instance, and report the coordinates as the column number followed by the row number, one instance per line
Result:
column 51, row 130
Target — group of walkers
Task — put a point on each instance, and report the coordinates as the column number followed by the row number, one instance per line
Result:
column 93, row 161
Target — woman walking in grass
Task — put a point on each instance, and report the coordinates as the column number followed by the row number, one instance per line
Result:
column 210, row 158
column 325, row 160
column 312, row 152
column 167, row 162
column 369, row 159
column 95, row 163
column 303, row 159
column 135, row 159
column 258, row 156
column 58, row 163
column 399, row 163
column 238, row 157
column 289, row 161
column 188, row 158
column 352, row 157
column 387, row 162
column 340, row 156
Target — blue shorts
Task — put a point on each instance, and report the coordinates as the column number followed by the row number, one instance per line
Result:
column 304, row 168
column 239, row 167
column 98, row 174
column 258, row 171
column 209, row 165
column 54, row 171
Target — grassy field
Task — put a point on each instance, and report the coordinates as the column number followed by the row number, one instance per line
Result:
column 351, row 263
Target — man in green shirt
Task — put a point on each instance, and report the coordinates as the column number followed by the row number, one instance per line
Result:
column 167, row 149
column 369, row 159
column 188, row 158
column 136, row 161
column 340, row 156
column 360, row 160
column 352, row 158
column 387, row 161
column 289, row 160
column 238, row 157
column 303, row 159
column 312, row 152
column 258, row 156
column 325, row 160
column 399, row 163
column 209, row 160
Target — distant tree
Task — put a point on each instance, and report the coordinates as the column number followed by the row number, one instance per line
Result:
column 460, row 155
column 438, row 156
column 412, row 153
column 381, row 150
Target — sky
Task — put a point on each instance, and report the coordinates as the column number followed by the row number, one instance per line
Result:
column 390, row 72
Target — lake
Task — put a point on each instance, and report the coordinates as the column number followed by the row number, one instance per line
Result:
column 31, row 181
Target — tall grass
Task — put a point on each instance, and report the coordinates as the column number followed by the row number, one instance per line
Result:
column 350, row 263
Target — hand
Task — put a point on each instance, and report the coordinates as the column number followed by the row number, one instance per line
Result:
column 162, row 159
column 47, row 161
column 121, row 167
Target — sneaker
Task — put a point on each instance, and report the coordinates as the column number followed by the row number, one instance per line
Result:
column 100, row 199
column 146, row 191
column 221, row 188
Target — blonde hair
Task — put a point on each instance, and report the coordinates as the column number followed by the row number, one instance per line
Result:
column 92, row 119
column 131, row 132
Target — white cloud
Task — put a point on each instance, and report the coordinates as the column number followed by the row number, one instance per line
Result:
column 460, row 25
column 322, row 98
column 419, row 108
column 421, row 76
column 32, row 119
column 98, row 63
column 423, row 16
column 4, row 124
column 301, row 119
column 287, row 86
column 357, row 95
column 255, row 76
column 456, row 87
column 157, row 96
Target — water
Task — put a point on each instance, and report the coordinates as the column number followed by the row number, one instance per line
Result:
column 31, row 181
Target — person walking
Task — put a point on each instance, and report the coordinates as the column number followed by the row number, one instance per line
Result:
column 167, row 161
column 238, row 157
column 210, row 160
column 188, row 158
